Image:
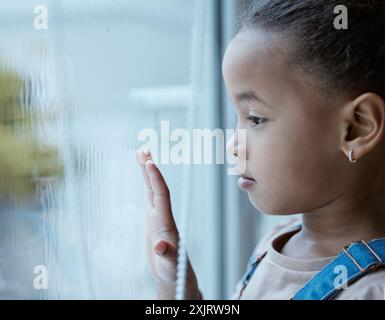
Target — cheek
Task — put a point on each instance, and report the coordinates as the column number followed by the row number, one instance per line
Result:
column 294, row 169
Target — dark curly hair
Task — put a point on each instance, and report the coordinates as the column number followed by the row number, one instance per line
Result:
column 350, row 59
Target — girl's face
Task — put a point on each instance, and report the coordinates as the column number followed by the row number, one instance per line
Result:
column 293, row 132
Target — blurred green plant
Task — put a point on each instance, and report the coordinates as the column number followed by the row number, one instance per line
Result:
column 24, row 161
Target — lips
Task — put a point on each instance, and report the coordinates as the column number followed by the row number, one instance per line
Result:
column 246, row 183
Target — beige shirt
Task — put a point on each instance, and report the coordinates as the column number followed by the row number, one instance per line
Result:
column 279, row 277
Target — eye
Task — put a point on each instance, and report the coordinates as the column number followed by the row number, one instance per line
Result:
column 256, row 120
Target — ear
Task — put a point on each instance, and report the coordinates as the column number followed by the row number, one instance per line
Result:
column 363, row 124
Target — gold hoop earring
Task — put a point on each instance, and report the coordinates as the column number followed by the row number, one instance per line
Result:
column 351, row 157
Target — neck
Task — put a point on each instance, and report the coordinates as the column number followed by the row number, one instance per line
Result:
column 356, row 215
column 343, row 228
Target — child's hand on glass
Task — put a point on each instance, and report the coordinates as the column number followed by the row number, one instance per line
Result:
column 162, row 234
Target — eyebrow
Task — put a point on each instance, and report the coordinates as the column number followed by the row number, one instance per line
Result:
column 249, row 96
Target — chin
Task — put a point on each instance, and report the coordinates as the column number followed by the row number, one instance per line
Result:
column 271, row 209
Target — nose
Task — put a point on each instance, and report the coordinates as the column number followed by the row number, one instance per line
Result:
column 236, row 147
column 231, row 146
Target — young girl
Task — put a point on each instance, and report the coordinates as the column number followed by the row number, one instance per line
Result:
column 311, row 99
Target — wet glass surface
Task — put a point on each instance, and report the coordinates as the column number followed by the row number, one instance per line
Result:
column 74, row 93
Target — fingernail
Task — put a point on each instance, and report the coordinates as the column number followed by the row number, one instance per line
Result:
column 146, row 152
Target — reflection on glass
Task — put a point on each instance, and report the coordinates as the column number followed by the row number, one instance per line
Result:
column 24, row 161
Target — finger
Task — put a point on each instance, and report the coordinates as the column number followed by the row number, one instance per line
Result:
column 162, row 201
column 142, row 157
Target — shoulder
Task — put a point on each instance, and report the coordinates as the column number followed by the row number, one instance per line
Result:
column 263, row 245
column 281, row 228
column 369, row 287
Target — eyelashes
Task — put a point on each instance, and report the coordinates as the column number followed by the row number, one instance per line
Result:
column 256, row 121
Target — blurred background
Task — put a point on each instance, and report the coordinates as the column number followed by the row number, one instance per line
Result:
column 79, row 80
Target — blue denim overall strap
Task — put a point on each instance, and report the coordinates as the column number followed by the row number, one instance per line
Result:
column 359, row 258
column 252, row 264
